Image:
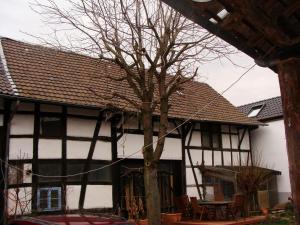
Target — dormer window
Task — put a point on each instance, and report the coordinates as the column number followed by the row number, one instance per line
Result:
column 255, row 110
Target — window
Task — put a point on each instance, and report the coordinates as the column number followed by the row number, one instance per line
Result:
column 210, row 135
column 208, row 180
column 49, row 199
column 51, row 126
column 255, row 110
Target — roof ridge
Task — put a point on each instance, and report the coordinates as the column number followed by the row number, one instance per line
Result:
column 251, row 103
column 51, row 48
column 73, row 53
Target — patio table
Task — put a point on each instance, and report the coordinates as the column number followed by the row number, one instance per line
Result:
column 218, row 206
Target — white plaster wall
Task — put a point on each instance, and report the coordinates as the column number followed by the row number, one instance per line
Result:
column 245, row 143
column 80, row 111
column 72, row 196
column 105, row 129
column 80, row 150
column 22, row 124
column 131, row 143
column 227, row 158
column 196, row 139
column 217, row 158
column 50, row 108
column 98, row 196
column 102, row 150
column 192, row 192
column 20, row 148
column 244, row 158
column 270, row 142
column 190, row 176
column 77, row 149
column 207, row 158
column 25, row 201
column 49, row 149
column 80, row 127
column 196, row 156
column 235, row 158
column 234, row 141
column 172, row 149
column 225, row 140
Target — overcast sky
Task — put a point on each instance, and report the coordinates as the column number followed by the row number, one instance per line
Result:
column 260, row 83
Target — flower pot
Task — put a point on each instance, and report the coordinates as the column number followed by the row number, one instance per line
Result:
column 131, row 221
column 170, row 218
column 179, row 216
column 162, row 217
column 143, row 222
column 265, row 211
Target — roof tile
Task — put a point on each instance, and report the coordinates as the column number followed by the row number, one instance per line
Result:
column 47, row 74
column 272, row 108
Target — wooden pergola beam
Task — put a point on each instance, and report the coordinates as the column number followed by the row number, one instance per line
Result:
column 289, row 79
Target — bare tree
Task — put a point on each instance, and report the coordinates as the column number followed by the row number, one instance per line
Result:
column 158, row 49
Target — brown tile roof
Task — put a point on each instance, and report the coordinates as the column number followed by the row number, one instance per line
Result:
column 271, row 109
column 46, row 74
column 5, row 86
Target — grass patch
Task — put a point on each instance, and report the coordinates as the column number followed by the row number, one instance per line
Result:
column 284, row 218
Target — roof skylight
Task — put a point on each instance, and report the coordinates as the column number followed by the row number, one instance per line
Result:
column 222, row 14
column 255, row 110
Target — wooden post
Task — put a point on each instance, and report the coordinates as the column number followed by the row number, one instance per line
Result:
column 4, row 142
column 289, row 79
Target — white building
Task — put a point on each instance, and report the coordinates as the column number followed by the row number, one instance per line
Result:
column 57, row 119
column 270, row 141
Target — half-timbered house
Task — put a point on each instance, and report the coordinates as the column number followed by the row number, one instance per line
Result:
column 58, row 120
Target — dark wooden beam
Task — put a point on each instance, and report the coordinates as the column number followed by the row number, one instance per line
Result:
column 88, row 161
column 183, row 162
column 188, row 8
column 115, row 169
column 35, row 157
column 4, row 152
column 64, row 156
column 289, row 79
column 191, row 161
column 242, row 138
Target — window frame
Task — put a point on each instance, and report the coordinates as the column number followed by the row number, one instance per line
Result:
column 256, row 109
column 55, row 118
column 49, row 200
column 213, row 133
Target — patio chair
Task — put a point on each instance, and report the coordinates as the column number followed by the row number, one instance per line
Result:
column 197, row 209
column 237, row 206
column 182, row 205
column 218, row 193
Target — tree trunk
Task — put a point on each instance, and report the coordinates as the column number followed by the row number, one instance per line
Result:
column 152, row 194
column 289, row 78
column 150, row 170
